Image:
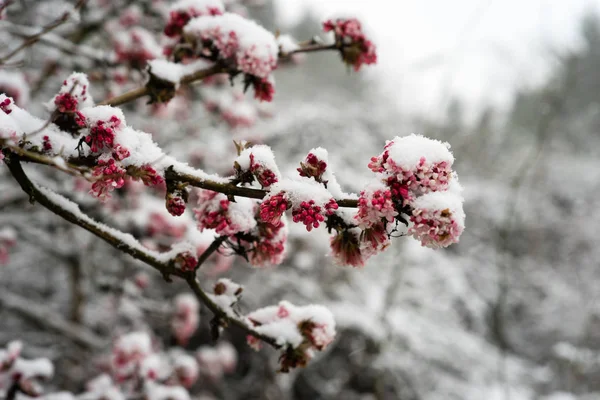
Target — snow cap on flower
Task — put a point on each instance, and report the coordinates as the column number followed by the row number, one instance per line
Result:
column 215, row 211
column 420, row 163
column 260, row 161
column 437, row 219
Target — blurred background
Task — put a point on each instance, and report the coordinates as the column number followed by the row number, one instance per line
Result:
column 511, row 312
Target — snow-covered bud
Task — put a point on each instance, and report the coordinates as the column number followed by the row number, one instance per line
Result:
column 104, row 122
column 299, row 329
column 260, row 162
column 216, row 212
column 375, row 205
column 175, row 204
column 437, row 219
column 422, row 165
column 182, row 11
column 239, row 43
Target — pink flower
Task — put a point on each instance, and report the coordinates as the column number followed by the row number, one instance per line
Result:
column 345, row 249
column 216, row 212
column 263, row 89
column 46, row 144
column 102, row 134
column 175, row 205
column 146, row 174
column 416, row 163
column 6, row 105
column 120, row 153
column 375, row 206
column 273, row 207
column 437, row 219
column 111, row 176
column 311, row 214
column 356, row 49
column 265, row 176
column 65, row 103
column 313, row 167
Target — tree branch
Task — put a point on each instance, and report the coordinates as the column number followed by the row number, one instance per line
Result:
column 233, row 190
column 32, row 39
column 145, row 91
column 124, row 242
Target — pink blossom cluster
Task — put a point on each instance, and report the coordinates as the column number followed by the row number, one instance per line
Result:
column 6, row 105
column 128, row 352
column 418, row 182
column 257, row 162
column 26, row 375
column 217, row 361
column 420, row 164
column 102, row 134
column 186, row 317
column 374, row 205
column 299, row 329
column 175, row 204
column 313, row 167
column 182, row 11
column 356, row 49
column 437, row 219
column 72, row 97
column 216, row 212
column 239, row 43
column 110, row 176
column 269, row 245
column 186, row 261
column 310, row 202
column 312, row 214
column 273, row 207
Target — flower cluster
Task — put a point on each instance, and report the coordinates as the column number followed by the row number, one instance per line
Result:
column 355, row 48
column 257, row 162
column 71, row 98
column 186, row 318
column 269, row 245
column 182, row 11
column 102, row 134
column 374, row 205
column 310, row 202
column 109, row 176
column 5, row 105
column 300, row 330
column 437, row 219
column 417, row 163
column 239, row 43
column 216, row 212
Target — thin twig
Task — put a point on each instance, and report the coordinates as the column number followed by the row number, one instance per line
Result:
column 32, row 39
column 145, row 91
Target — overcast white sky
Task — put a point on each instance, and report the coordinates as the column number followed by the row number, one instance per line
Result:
column 480, row 50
